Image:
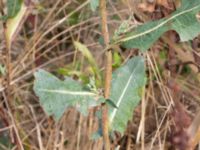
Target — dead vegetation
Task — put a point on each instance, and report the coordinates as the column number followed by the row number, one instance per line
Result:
column 168, row 115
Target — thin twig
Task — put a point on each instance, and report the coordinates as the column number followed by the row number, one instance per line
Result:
column 8, row 66
column 39, row 136
column 15, row 128
column 108, row 74
column 26, row 75
column 1, row 8
column 7, row 97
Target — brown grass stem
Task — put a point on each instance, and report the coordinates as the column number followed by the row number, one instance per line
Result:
column 108, row 74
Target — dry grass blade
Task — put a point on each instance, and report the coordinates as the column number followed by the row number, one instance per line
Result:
column 45, row 40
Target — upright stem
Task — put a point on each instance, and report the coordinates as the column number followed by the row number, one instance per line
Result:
column 8, row 99
column 108, row 74
column 8, row 68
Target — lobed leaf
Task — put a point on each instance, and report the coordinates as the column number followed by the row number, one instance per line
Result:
column 127, row 82
column 183, row 20
column 56, row 95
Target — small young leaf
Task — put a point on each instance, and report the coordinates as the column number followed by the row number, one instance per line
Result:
column 87, row 54
column 2, row 70
column 94, row 4
column 56, row 95
column 117, row 60
column 123, row 28
column 126, row 82
column 183, row 20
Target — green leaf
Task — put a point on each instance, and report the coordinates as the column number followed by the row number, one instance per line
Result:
column 17, row 13
column 126, row 83
column 74, row 19
column 123, row 28
column 94, row 4
column 56, row 95
column 117, row 60
column 87, row 54
column 2, row 70
column 183, row 20
column 5, row 141
column 13, row 7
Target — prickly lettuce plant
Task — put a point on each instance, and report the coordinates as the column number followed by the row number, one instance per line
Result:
column 127, row 81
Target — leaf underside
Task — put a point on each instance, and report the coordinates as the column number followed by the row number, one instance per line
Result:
column 127, row 82
column 57, row 95
column 183, row 21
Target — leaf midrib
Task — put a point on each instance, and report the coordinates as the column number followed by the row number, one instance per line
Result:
column 158, row 26
column 74, row 93
column 123, row 93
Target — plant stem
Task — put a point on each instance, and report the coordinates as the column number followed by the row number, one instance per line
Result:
column 1, row 8
column 108, row 74
column 8, row 68
column 8, row 96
